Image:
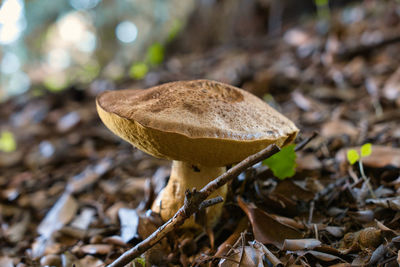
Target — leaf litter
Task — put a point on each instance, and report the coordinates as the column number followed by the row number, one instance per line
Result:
column 74, row 194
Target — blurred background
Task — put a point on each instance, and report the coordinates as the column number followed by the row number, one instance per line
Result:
column 329, row 66
column 52, row 45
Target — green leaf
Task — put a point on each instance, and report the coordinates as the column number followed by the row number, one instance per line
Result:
column 352, row 156
column 7, row 142
column 138, row 70
column 155, row 54
column 55, row 84
column 283, row 163
column 321, row 2
column 176, row 27
column 366, row 150
column 140, row 262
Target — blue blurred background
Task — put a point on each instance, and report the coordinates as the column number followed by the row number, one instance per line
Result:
column 52, row 44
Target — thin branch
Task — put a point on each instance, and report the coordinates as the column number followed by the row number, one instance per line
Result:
column 210, row 202
column 303, row 143
column 347, row 53
column 192, row 203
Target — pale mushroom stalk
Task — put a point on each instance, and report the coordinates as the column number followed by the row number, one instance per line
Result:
column 201, row 125
column 188, row 176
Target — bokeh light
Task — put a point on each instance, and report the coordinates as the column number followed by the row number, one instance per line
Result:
column 12, row 21
column 126, row 32
column 18, row 83
column 71, row 27
column 58, row 59
column 84, row 4
column 10, row 63
column 88, row 42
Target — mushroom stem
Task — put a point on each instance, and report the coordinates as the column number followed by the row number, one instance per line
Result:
column 188, row 176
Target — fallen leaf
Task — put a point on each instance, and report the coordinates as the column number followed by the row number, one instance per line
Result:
column 391, row 90
column 17, row 231
column 6, row 261
column 300, row 244
column 96, row 249
column 319, row 255
column 389, row 203
column 336, row 231
column 68, row 121
column 129, row 220
column 294, row 190
column 266, row 229
column 307, row 162
column 50, row 260
column 362, row 216
column 247, row 256
column 59, row 215
column 337, row 128
column 84, row 219
column 89, row 176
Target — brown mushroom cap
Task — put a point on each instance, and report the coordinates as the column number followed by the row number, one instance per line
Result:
column 201, row 122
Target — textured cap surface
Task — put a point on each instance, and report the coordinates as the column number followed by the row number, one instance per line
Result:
column 201, row 121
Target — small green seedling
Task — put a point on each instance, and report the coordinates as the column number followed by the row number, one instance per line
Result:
column 7, row 142
column 139, row 262
column 353, row 157
column 283, row 163
column 138, row 70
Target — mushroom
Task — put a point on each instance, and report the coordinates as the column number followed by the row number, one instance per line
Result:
column 201, row 125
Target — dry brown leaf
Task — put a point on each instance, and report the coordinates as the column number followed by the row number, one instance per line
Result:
column 319, row 255
column 89, row 176
column 266, row 229
column 337, row 128
column 307, row 162
column 336, row 231
column 398, row 257
column 389, row 203
column 102, row 249
column 60, row 214
column 50, row 260
column 362, row 216
column 6, row 261
column 300, row 244
column 83, row 220
column 391, row 90
column 129, row 220
column 248, row 256
column 89, row 260
column 294, row 190
column 17, row 231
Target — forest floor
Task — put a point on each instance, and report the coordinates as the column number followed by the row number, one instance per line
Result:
column 73, row 194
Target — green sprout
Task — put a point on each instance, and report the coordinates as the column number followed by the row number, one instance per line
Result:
column 7, row 142
column 139, row 262
column 353, row 157
column 155, row 54
column 138, row 70
column 283, row 163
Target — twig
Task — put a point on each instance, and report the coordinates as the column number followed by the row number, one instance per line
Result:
column 193, row 200
column 311, row 212
column 350, row 52
column 243, row 238
column 209, row 202
column 270, row 256
column 365, row 178
column 303, row 143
